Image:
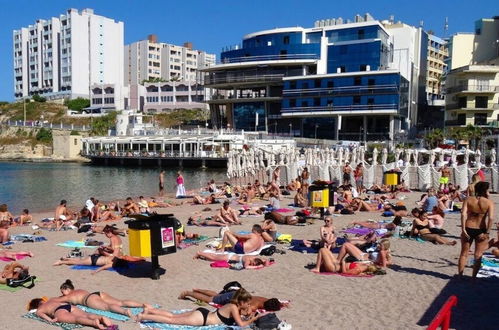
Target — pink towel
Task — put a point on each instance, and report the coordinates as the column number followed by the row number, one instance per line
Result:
column 220, row 264
column 18, row 257
column 344, row 275
column 284, row 210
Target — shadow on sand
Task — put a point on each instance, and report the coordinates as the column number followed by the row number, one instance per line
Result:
column 477, row 306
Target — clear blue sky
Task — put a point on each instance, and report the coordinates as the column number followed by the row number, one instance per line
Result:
column 213, row 24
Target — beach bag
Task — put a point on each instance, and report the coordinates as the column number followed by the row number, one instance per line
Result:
column 268, row 251
column 231, row 286
column 268, row 322
column 23, row 278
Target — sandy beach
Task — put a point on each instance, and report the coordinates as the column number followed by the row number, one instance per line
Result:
column 407, row 297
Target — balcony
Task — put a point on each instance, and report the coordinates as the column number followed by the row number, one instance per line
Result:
column 278, row 57
column 242, row 78
column 343, row 108
column 473, row 89
column 344, row 90
column 457, row 106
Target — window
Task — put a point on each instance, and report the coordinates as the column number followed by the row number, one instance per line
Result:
column 292, row 103
column 461, row 102
column 461, row 119
column 363, row 67
column 480, row 119
column 356, row 100
column 292, row 85
column 361, row 34
column 481, row 102
column 343, row 68
column 357, row 81
column 285, row 40
column 76, row 142
column 317, row 83
column 330, row 84
column 371, row 82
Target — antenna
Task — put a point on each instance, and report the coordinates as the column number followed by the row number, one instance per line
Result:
column 446, row 26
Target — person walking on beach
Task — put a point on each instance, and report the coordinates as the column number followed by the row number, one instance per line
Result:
column 161, row 182
column 477, row 216
column 358, row 175
column 347, row 170
column 180, row 186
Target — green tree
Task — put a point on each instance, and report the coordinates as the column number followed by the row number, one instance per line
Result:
column 44, row 135
column 101, row 125
column 38, row 98
column 435, row 137
column 153, row 80
column 77, row 104
column 475, row 134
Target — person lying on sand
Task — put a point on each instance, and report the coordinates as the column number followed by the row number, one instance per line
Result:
column 53, row 310
column 381, row 257
column 105, row 257
column 229, row 314
column 198, row 220
column 14, row 270
column 327, row 262
column 256, row 302
column 204, row 201
column 397, row 221
column 237, row 261
column 14, row 255
column 98, row 300
column 243, row 244
column 284, row 219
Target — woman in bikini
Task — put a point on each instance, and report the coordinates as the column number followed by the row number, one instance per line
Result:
column 12, row 271
column 105, row 257
column 53, row 310
column 5, row 214
column 381, row 257
column 328, row 263
column 246, row 262
column 229, row 314
column 421, row 227
column 327, row 236
column 282, row 219
column 477, row 216
column 97, row 300
column 15, row 255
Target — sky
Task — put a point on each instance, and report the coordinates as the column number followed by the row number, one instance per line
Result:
column 212, row 25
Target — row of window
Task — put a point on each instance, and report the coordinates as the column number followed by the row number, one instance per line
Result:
column 167, row 99
column 342, row 101
column 107, row 100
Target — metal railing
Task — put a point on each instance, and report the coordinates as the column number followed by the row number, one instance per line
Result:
column 473, row 88
column 153, row 154
column 242, row 78
column 276, row 57
column 357, row 107
column 342, row 90
column 40, row 124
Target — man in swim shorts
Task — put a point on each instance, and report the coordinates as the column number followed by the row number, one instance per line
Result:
column 444, row 178
column 243, row 244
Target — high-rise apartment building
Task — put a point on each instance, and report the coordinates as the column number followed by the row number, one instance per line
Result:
column 149, row 60
column 63, row 56
column 472, row 83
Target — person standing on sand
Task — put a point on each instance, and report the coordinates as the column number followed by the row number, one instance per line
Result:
column 347, row 170
column 180, row 185
column 161, row 182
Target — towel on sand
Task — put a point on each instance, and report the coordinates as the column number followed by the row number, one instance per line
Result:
column 490, row 267
column 112, row 315
column 164, row 326
column 23, row 237
column 65, row 326
column 5, row 287
column 254, row 253
column 75, row 244
column 19, row 256
column 192, row 241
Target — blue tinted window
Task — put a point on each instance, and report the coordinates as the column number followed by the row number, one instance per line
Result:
column 353, row 56
column 245, row 115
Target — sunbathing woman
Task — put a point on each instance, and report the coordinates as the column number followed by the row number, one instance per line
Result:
column 328, row 263
column 421, row 227
column 327, row 236
column 53, row 310
column 204, row 201
column 283, row 219
column 24, row 219
column 14, row 255
column 359, row 205
column 477, row 216
column 107, row 214
column 209, row 296
column 240, row 261
column 12, row 271
column 229, row 314
column 197, row 220
column 397, row 221
column 269, row 230
column 97, row 300
column 300, row 199
column 4, row 231
column 105, row 256
column 381, row 257
column 5, row 214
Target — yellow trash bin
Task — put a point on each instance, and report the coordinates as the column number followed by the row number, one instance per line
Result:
column 140, row 242
column 320, row 198
column 392, row 178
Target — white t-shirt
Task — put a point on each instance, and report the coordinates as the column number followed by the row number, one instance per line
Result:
column 89, row 205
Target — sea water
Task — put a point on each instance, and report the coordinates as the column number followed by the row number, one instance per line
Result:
column 41, row 186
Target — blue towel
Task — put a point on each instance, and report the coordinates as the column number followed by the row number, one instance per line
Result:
column 75, row 244
column 156, row 325
column 113, row 269
column 112, row 315
column 22, row 237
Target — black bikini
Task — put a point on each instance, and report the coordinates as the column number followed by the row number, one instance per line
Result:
column 86, row 298
column 205, row 313
column 226, row 320
column 473, row 233
column 65, row 306
column 94, row 258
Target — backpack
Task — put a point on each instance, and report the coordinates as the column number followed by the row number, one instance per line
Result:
column 229, row 287
column 268, row 251
column 268, row 322
column 23, row 278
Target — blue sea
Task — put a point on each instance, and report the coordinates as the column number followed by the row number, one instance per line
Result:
column 41, row 186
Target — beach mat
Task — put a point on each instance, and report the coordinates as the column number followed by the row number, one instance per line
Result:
column 489, row 268
column 24, row 237
column 164, row 326
column 192, row 241
column 65, row 326
column 18, row 257
column 75, row 244
column 113, row 269
column 254, row 253
column 112, row 315
column 298, row 246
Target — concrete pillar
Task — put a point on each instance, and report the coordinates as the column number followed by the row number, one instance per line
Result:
column 364, row 126
column 392, row 122
column 338, row 127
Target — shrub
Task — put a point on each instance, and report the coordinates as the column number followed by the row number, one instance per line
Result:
column 38, row 98
column 74, row 133
column 77, row 104
column 44, row 135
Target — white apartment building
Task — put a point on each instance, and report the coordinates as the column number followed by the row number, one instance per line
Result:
column 149, row 59
column 63, row 56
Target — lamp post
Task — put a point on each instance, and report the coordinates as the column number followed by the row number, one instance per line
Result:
column 316, row 125
column 24, row 110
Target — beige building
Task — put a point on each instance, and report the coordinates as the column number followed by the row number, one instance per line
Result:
column 149, row 59
column 66, row 146
column 473, row 95
column 472, row 48
column 436, row 66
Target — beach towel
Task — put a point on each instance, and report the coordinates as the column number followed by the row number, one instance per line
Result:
column 27, row 237
column 298, row 246
column 19, row 256
column 284, row 238
column 254, row 253
column 112, row 315
column 357, row 231
column 344, row 275
column 129, row 265
column 75, row 244
column 490, row 267
column 65, row 326
column 417, row 239
column 284, row 210
column 164, row 326
column 193, row 241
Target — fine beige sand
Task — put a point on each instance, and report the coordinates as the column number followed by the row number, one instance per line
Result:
column 407, row 297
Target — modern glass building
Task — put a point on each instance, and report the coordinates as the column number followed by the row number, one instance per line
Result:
column 331, row 81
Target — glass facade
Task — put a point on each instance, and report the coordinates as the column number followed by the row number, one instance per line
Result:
column 367, row 56
column 245, row 116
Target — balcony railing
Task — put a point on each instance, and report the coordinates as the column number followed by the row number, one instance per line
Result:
column 473, row 89
column 250, row 78
column 456, row 106
column 227, row 60
column 356, row 90
column 355, row 107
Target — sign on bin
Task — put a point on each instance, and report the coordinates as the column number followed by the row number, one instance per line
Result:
column 167, row 237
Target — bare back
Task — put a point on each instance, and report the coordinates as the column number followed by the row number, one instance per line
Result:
column 476, row 210
column 253, row 243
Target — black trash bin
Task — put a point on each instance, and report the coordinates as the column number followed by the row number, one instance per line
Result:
column 152, row 236
column 322, row 195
